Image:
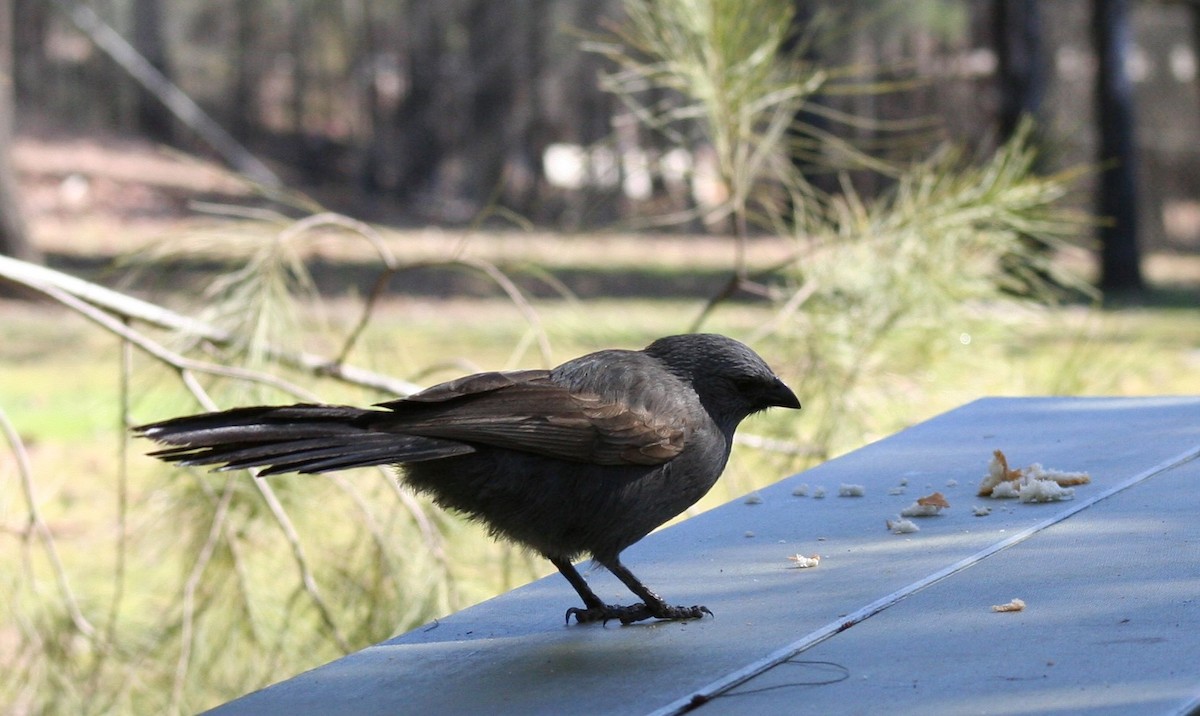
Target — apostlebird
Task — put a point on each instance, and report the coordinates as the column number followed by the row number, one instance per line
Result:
column 583, row 459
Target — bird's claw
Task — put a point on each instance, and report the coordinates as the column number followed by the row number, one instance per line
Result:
column 634, row 613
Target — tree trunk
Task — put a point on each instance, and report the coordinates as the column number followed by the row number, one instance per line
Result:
column 247, row 68
column 298, row 42
column 495, row 43
column 808, row 123
column 153, row 118
column 14, row 237
column 31, row 20
column 423, row 113
column 1120, row 268
column 1021, row 73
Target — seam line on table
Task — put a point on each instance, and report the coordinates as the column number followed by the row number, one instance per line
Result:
column 1191, row 708
column 698, row 697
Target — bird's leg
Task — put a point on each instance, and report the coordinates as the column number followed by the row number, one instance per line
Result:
column 592, row 603
column 652, row 606
column 595, row 610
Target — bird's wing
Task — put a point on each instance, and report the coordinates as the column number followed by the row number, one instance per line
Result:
column 530, row 411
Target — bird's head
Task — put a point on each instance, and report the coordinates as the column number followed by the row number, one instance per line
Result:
column 731, row 380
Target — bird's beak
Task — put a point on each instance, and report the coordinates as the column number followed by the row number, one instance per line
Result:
column 779, row 395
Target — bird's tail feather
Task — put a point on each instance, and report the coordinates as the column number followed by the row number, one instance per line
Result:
column 296, row 438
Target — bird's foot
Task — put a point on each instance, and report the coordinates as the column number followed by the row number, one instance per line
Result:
column 634, row 613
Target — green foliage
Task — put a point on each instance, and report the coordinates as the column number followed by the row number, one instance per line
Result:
column 874, row 276
column 948, row 245
column 206, row 586
column 261, row 281
column 719, row 72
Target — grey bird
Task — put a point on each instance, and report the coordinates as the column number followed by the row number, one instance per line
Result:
column 583, row 459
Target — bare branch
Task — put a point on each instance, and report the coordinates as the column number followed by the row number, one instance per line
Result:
column 190, row 587
column 298, row 554
column 179, row 103
column 168, row 356
column 39, row 527
column 42, row 279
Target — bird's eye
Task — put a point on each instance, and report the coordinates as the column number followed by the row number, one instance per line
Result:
column 746, row 385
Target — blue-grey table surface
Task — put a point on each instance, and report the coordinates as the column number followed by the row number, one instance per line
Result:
column 886, row 623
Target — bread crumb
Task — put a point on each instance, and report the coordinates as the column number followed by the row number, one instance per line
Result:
column 802, row 562
column 1060, row 477
column 936, row 499
column 1006, row 491
column 1043, row 491
column 1031, row 490
column 896, row 491
column 754, row 499
column 818, row 492
column 951, row 483
column 1031, row 484
column 1016, row 605
column 851, row 490
column 901, row 526
column 800, row 490
column 981, row 511
column 927, row 506
column 998, row 473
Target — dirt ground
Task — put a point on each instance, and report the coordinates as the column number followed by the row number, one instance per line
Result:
column 90, row 199
column 106, row 195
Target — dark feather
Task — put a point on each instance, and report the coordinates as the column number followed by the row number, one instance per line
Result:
column 586, row 458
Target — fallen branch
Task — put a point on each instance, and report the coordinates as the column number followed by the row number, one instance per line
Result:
column 44, row 280
column 180, row 104
column 37, row 526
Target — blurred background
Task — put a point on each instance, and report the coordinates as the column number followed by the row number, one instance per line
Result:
column 903, row 205
column 407, row 113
